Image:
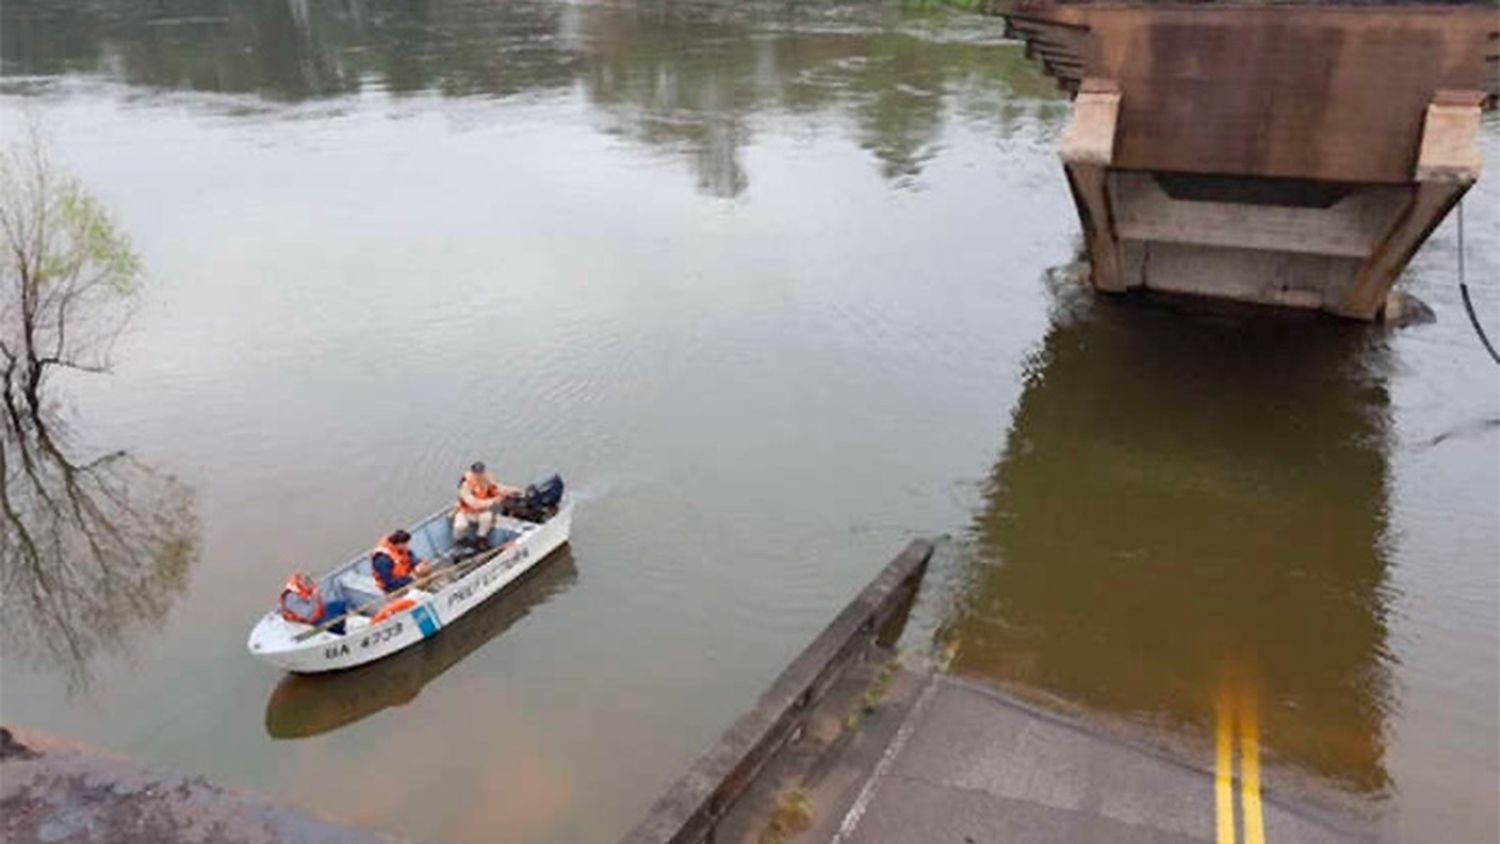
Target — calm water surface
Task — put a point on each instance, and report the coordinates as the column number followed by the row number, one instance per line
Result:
column 772, row 285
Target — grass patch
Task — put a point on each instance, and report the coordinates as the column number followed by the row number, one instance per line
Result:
column 793, row 815
column 877, row 689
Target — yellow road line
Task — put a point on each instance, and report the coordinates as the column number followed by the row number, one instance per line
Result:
column 1249, row 720
column 1224, row 768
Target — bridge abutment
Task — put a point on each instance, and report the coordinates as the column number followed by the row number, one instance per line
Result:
column 1291, row 157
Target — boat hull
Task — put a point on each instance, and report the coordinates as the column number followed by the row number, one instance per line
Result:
column 274, row 640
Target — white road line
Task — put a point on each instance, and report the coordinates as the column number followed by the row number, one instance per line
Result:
column 867, row 793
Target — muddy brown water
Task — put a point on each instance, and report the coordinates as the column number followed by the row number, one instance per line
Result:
column 772, row 285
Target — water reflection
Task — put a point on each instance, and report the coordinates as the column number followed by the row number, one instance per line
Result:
column 308, row 705
column 1189, row 502
column 90, row 552
column 685, row 77
column 894, row 86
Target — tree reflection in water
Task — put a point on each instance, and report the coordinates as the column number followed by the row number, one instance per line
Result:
column 91, row 551
column 89, row 548
column 691, row 79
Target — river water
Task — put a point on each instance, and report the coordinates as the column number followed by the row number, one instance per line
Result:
column 777, row 288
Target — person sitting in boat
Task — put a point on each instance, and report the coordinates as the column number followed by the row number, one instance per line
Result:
column 478, row 497
column 393, row 564
column 302, row 601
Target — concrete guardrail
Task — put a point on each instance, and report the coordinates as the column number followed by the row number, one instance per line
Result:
column 689, row 810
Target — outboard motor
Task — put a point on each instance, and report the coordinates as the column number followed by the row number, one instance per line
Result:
column 538, row 503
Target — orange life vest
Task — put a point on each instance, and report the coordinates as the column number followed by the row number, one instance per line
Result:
column 305, row 588
column 477, row 486
column 400, row 560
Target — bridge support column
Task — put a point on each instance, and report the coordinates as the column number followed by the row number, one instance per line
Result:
column 1280, row 156
column 1333, row 246
column 1448, row 164
column 1088, row 148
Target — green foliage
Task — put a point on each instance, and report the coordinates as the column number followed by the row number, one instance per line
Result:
column 97, row 239
column 57, row 232
column 928, row 5
column 68, row 276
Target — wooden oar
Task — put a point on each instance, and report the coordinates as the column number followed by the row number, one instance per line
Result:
column 457, row 567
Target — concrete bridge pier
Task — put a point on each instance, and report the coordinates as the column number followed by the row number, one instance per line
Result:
column 1295, row 157
column 1329, row 246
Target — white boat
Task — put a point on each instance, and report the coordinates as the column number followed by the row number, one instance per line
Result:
column 305, row 705
column 516, row 545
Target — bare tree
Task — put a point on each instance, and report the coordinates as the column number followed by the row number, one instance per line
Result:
column 68, row 278
column 89, row 548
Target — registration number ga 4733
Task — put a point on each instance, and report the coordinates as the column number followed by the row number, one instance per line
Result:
column 369, row 640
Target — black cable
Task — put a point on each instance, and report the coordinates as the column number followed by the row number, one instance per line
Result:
column 1463, row 288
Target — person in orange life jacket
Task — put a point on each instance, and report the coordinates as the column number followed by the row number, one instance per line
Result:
column 303, row 601
column 393, row 564
column 478, row 496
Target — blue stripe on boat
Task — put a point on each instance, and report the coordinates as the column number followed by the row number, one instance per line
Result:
column 426, row 621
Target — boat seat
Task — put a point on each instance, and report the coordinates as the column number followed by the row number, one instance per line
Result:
column 498, row 536
column 361, row 589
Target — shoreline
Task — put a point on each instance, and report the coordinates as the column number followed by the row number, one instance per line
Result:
column 57, row 791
